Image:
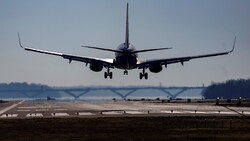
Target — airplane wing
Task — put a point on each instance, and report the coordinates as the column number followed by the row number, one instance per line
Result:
column 88, row 60
column 181, row 60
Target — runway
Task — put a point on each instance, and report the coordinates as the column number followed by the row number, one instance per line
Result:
column 83, row 109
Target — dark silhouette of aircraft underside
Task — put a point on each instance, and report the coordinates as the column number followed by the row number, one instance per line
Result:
column 126, row 57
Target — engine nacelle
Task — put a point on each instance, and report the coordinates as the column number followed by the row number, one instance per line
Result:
column 96, row 67
column 155, row 68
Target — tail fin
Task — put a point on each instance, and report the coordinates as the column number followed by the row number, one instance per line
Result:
column 127, row 30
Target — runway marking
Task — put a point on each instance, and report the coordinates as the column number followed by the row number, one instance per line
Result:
column 246, row 113
column 191, row 112
column 198, row 112
column 112, row 113
column 34, row 115
column 230, row 113
column 27, row 107
column 134, row 112
column 61, row 109
column 59, row 114
column 23, row 110
column 10, row 107
column 85, row 114
column 38, row 107
column 221, row 112
column 40, row 110
column 171, row 112
column 9, row 115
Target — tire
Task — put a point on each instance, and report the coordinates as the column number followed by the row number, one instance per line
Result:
column 110, row 75
column 146, row 76
column 105, row 75
column 140, row 75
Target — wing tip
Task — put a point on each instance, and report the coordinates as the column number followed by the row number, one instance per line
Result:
column 19, row 39
column 233, row 45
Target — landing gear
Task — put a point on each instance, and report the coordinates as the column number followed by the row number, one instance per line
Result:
column 108, row 74
column 125, row 72
column 143, row 74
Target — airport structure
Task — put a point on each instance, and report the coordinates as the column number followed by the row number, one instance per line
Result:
column 122, row 92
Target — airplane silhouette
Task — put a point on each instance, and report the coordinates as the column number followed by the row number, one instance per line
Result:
column 126, row 57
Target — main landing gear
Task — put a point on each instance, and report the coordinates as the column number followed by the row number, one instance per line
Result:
column 108, row 74
column 143, row 74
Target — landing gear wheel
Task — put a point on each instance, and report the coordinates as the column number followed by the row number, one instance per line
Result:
column 105, row 75
column 110, row 75
column 141, row 76
column 125, row 72
column 146, row 76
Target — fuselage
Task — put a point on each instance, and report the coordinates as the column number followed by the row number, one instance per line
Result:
column 126, row 60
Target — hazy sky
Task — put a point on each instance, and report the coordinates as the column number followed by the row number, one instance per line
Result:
column 192, row 27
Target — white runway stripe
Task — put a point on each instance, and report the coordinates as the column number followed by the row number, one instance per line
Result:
column 10, row 107
column 9, row 115
column 38, row 107
column 23, row 110
column 34, row 115
column 112, row 113
column 85, row 114
column 59, row 114
column 60, row 109
column 40, row 110
column 134, row 112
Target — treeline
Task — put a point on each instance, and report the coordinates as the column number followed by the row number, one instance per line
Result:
column 23, row 90
column 22, row 86
column 229, row 89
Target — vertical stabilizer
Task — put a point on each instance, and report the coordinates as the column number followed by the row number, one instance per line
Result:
column 127, row 29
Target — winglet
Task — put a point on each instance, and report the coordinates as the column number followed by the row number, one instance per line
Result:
column 19, row 40
column 233, row 45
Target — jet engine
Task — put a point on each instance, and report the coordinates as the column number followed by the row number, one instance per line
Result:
column 96, row 67
column 155, row 68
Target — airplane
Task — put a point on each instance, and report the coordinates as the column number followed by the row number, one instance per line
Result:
column 126, row 57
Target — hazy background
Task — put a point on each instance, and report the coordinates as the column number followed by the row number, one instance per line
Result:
column 192, row 27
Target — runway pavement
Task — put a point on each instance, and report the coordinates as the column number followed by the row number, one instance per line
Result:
column 50, row 109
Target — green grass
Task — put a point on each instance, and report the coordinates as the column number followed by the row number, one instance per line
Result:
column 126, row 128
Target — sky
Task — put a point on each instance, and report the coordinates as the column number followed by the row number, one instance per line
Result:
column 191, row 27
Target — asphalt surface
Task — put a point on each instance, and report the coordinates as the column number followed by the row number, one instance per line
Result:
column 50, row 109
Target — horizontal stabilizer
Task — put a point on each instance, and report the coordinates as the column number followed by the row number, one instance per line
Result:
column 120, row 51
column 106, row 49
column 146, row 50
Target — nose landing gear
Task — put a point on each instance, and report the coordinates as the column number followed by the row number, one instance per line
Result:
column 125, row 72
